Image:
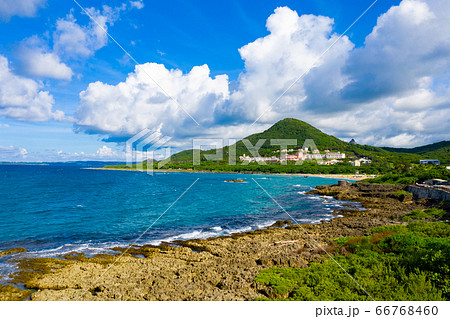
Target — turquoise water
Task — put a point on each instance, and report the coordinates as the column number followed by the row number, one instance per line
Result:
column 52, row 210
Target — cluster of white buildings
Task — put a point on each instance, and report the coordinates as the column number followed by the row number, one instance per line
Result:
column 326, row 158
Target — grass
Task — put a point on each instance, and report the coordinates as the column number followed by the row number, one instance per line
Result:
column 401, row 193
column 417, row 174
column 430, row 213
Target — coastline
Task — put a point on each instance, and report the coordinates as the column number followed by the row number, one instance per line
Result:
column 337, row 176
column 221, row 268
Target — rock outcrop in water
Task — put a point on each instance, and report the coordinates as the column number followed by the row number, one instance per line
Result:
column 221, row 268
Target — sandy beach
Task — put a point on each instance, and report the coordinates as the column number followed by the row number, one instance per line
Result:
column 349, row 177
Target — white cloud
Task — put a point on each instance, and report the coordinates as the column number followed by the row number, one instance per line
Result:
column 73, row 40
column 38, row 61
column 271, row 65
column 408, row 45
column 137, row 4
column 22, row 98
column 392, row 90
column 106, row 152
column 12, row 153
column 21, row 8
column 275, row 62
column 138, row 103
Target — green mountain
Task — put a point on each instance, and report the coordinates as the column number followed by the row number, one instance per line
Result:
column 440, row 150
column 290, row 128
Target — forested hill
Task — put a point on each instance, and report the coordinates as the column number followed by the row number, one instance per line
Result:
column 290, row 128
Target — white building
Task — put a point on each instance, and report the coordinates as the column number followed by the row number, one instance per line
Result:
column 356, row 163
column 360, row 161
column 430, row 161
column 336, row 155
column 314, row 156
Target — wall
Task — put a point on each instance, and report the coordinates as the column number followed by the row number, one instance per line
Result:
column 434, row 192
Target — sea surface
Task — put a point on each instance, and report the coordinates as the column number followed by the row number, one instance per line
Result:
column 52, row 210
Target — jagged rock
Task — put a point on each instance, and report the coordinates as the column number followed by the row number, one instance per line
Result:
column 12, row 251
column 344, row 183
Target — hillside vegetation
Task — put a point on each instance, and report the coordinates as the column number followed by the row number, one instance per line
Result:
column 384, row 160
column 290, row 128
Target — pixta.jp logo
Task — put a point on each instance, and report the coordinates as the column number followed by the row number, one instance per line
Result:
column 144, row 148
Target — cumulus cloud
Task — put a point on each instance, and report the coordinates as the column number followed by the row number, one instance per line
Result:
column 12, row 153
column 408, row 46
column 392, row 90
column 272, row 63
column 70, row 40
column 275, row 62
column 106, row 152
column 81, row 41
column 21, row 8
column 37, row 60
column 22, row 98
column 126, row 108
column 73, row 40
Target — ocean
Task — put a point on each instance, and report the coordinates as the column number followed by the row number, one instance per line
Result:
column 52, row 210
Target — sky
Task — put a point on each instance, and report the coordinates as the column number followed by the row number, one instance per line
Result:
column 79, row 78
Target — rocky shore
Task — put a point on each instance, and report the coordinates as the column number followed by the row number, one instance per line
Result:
column 221, row 268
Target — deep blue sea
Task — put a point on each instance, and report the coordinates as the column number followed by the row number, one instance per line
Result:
column 51, row 210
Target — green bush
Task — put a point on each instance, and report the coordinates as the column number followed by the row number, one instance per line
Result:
column 401, row 193
column 418, row 214
column 418, row 174
column 397, row 262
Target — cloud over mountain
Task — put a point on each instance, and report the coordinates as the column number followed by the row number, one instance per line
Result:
column 394, row 87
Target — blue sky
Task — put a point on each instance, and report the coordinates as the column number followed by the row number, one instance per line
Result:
column 68, row 92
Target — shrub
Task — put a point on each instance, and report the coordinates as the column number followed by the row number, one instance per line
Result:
column 397, row 262
column 418, row 214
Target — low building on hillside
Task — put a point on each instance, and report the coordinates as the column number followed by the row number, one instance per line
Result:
column 334, row 155
column 272, row 159
column 249, row 159
column 360, row 161
column 355, row 163
column 430, row 161
column 365, row 161
column 332, row 162
column 300, row 154
column 289, row 157
column 314, row 156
